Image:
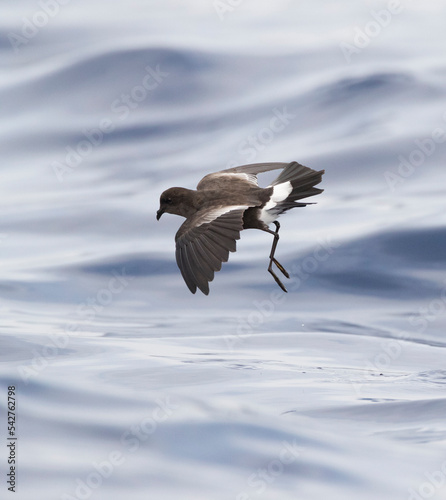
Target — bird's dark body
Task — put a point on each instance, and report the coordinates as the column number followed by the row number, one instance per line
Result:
column 251, row 219
column 224, row 204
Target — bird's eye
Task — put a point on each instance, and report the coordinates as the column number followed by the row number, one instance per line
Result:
column 168, row 201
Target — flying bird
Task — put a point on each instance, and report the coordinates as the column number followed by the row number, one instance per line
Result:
column 224, row 204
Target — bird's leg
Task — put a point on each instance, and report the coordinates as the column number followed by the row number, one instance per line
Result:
column 273, row 251
column 273, row 259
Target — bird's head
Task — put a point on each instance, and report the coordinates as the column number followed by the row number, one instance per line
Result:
column 176, row 201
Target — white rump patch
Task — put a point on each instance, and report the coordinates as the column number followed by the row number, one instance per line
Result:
column 280, row 193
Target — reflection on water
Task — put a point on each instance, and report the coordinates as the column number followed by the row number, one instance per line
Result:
column 127, row 384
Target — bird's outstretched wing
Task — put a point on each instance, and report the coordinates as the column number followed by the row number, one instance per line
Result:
column 245, row 172
column 255, row 168
column 204, row 241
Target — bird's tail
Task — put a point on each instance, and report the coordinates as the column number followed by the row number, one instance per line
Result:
column 303, row 180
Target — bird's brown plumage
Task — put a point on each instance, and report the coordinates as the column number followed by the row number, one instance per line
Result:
column 224, row 204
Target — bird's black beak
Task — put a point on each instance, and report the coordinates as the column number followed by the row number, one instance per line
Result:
column 159, row 214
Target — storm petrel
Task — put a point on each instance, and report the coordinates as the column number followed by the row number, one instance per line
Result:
column 224, row 204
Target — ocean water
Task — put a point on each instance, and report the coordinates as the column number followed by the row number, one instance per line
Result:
column 128, row 386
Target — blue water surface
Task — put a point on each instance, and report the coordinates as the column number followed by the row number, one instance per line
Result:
column 126, row 384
